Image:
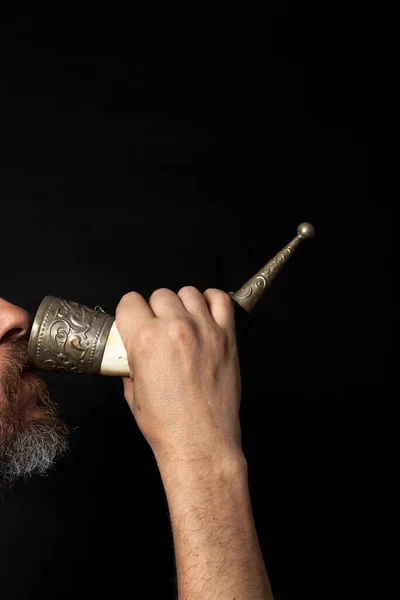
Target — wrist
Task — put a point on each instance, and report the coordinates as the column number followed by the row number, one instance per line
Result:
column 181, row 472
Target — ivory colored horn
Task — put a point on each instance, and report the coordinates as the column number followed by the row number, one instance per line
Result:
column 75, row 338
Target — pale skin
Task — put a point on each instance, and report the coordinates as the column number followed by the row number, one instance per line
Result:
column 184, row 391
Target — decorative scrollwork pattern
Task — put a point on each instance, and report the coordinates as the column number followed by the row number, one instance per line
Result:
column 250, row 293
column 71, row 337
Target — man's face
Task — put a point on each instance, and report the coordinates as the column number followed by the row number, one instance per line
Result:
column 31, row 433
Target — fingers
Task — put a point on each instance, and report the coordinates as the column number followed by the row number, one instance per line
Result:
column 166, row 304
column 195, row 303
column 131, row 312
column 163, row 303
column 214, row 305
column 221, row 309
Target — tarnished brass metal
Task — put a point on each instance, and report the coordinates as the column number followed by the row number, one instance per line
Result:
column 75, row 338
column 67, row 336
column 251, row 292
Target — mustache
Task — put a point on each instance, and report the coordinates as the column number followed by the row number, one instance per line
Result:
column 16, row 350
column 15, row 354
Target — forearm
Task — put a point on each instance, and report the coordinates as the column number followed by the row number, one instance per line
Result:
column 217, row 552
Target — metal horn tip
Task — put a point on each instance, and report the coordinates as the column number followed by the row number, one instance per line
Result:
column 305, row 231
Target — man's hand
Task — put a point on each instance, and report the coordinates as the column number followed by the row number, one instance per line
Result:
column 184, row 391
column 184, row 385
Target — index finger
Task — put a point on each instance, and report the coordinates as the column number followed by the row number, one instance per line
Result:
column 131, row 312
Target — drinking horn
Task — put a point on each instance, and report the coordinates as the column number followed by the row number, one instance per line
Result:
column 74, row 338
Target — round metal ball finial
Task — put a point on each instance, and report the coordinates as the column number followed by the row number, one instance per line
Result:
column 251, row 292
column 306, row 231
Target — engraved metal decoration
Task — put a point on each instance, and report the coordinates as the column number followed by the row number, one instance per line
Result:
column 251, row 292
column 67, row 336
column 74, row 338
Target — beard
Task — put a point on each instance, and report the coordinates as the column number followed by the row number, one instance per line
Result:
column 31, row 438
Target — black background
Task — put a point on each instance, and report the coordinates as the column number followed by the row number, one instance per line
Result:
column 173, row 146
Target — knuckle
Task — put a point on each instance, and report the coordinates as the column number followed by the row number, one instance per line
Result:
column 129, row 295
column 145, row 336
column 189, row 289
column 224, row 298
column 160, row 291
column 181, row 330
column 217, row 293
column 209, row 291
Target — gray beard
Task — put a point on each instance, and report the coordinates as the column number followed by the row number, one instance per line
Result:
column 32, row 449
column 27, row 447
